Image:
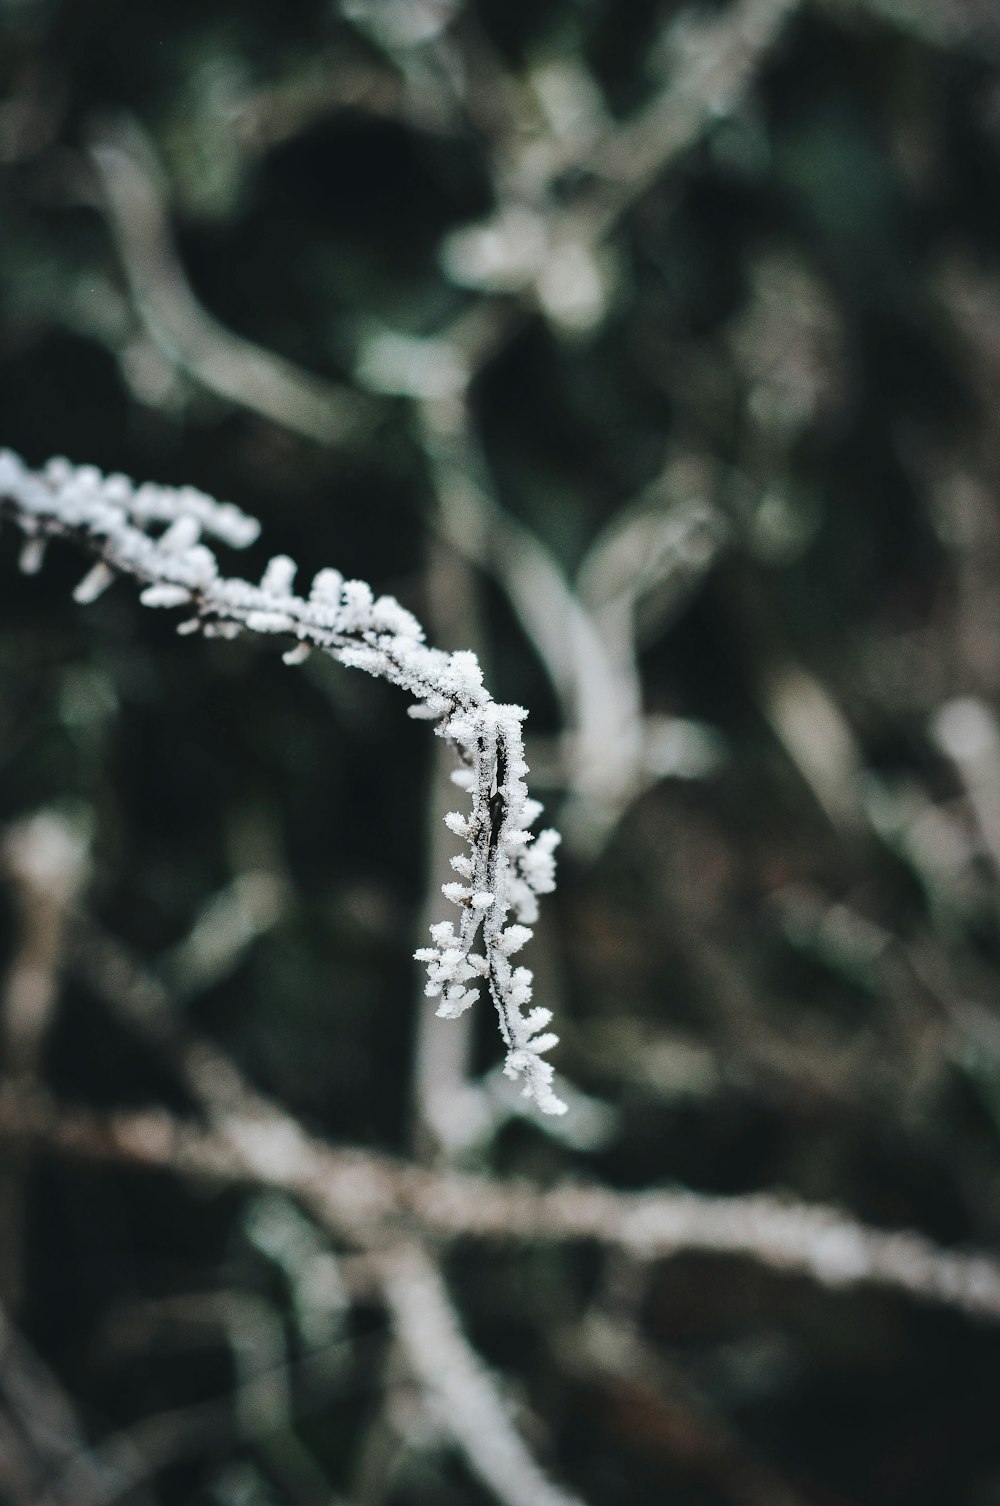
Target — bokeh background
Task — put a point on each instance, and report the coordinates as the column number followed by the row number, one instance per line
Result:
column 652, row 351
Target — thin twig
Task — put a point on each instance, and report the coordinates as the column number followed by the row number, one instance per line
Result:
column 461, row 1390
column 225, row 363
column 45, row 860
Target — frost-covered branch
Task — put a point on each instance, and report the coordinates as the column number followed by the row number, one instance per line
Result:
column 458, row 1385
column 365, row 1197
column 155, row 535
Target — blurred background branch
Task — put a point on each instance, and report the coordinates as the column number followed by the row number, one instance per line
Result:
column 650, row 351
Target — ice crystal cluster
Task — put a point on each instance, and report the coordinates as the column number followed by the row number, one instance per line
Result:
column 155, row 534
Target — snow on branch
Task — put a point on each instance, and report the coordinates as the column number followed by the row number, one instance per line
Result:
column 461, row 1391
column 155, row 535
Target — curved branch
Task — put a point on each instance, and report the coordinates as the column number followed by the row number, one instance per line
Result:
column 505, row 868
column 226, row 363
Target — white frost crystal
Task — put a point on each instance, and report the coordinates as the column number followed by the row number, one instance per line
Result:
column 155, row 535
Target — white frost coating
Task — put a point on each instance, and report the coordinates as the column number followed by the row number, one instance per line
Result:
column 505, row 867
column 97, row 580
column 150, row 503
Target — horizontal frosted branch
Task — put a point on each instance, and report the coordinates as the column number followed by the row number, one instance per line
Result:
column 362, row 1195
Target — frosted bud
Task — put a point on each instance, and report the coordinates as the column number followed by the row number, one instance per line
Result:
column 430, row 709
column 520, row 987
column 297, row 655
column 357, row 608
column 465, row 673
column 32, row 555
column 201, row 564
column 483, row 900
column 538, row 865
column 327, row 586
column 182, row 535
column 461, row 727
column 456, row 1001
column 516, row 837
column 513, row 938
column 57, row 471
column 389, row 617
column 269, row 622
column 118, row 489
column 457, row 823
column 94, row 584
column 162, row 596
column 279, row 576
